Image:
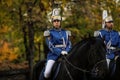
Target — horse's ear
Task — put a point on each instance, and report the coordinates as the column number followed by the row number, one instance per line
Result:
column 89, row 35
column 85, row 36
column 82, row 37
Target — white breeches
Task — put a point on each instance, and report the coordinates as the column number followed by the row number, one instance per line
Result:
column 48, row 68
column 108, row 62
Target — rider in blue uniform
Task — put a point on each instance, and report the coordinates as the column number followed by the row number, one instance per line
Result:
column 111, row 38
column 58, row 42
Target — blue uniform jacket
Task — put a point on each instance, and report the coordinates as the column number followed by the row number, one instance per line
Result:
column 112, row 39
column 58, row 41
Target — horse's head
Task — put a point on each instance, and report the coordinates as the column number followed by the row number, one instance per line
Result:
column 89, row 55
column 97, row 58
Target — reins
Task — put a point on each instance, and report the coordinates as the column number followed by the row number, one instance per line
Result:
column 77, row 68
column 80, row 69
column 68, row 72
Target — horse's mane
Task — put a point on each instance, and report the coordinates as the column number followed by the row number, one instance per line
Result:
column 92, row 39
column 87, row 46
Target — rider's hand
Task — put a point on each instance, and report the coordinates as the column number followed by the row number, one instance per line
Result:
column 64, row 52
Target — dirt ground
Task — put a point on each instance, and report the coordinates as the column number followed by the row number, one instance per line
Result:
column 9, row 66
column 14, row 77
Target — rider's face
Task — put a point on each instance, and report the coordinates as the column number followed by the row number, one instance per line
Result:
column 109, row 25
column 56, row 23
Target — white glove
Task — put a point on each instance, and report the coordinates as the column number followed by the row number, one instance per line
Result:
column 64, row 53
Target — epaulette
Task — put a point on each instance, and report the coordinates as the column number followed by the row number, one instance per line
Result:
column 96, row 33
column 69, row 33
column 46, row 33
column 119, row 33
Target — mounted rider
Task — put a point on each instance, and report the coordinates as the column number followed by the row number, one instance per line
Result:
column 111, row 38
column 58, row 42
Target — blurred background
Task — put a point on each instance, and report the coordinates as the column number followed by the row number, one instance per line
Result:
column 22, row 23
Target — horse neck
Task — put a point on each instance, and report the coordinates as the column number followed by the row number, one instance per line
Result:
column 79, row 56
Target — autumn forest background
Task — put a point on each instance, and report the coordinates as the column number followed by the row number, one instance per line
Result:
column 22, row 23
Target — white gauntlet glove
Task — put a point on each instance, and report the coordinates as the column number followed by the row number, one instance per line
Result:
column 64, row 53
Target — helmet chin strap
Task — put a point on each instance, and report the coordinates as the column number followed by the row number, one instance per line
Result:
column 110, row 29
column 57, row 28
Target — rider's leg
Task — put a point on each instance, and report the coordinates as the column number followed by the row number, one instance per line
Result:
column 108, row 62
column 48, row 68
column 109, row 57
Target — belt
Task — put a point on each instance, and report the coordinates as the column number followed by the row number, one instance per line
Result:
column 60, row 45
column 112, row 48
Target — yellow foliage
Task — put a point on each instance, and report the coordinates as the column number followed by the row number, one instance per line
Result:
column 4, row 29
column 46, row 4
column 12, row 57
column 38, row 39
column 7, row 52
column 9, row 2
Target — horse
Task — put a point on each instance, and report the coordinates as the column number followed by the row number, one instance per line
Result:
column 85, row 61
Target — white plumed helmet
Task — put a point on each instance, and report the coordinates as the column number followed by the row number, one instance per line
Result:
column 56, row 18
column 109, row 19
